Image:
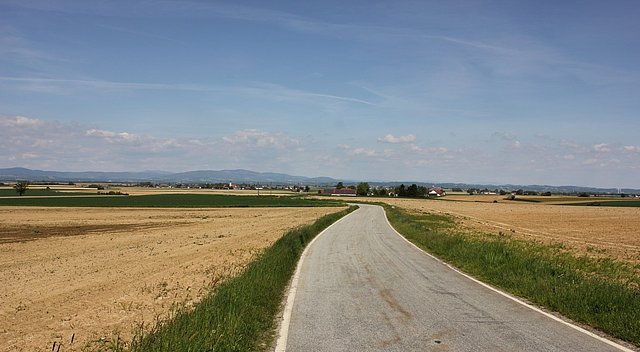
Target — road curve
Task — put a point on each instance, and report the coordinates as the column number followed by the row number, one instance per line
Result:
column 361, row 287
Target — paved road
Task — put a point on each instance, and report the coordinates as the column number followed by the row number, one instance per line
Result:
column 364, row 288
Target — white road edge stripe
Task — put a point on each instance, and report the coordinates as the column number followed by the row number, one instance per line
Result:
column 281, row 344
column 551, row 316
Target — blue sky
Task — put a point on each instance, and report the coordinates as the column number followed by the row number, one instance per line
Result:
column 524, row 92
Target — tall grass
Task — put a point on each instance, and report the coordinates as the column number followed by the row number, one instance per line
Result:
column 239, row 314
column 601, row 293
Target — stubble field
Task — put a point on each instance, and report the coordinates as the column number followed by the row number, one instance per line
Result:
column 612, row 232
column 85, row 273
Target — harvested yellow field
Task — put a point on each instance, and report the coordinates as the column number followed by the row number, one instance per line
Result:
column 598, row 231
column 84, row 273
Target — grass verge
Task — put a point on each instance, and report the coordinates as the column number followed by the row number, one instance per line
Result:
column 601, row 293
column 239, row 314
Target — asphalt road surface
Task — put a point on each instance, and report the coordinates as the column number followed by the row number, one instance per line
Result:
column 364, row 288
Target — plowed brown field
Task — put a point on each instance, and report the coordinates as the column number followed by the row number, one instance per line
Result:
column 597, row 231
column 87, row 272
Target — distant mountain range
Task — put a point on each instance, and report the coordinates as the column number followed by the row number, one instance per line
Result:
column 201, row 176
column 262, row 178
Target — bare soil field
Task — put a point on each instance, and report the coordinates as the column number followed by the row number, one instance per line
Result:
column 82, row 274
column 597, row 231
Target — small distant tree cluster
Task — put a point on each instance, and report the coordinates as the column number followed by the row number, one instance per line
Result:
column 413, row 191
column 362, row 189
column 21, row 187
column 380, row 192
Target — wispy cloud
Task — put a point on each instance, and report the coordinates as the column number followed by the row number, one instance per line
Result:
column 141, row 33
column 262, row 90
column 503, row 136
column 16, row 48
column 101, row 84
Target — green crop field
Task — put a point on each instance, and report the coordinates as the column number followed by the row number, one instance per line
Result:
column 608, row 203
column 170, row 201
column 5, row 192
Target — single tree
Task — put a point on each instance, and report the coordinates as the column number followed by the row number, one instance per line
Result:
column 362, row 189
column 402, row 191
column 21, row 187
column 340, row 185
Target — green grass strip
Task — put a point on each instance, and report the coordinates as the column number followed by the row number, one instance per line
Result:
column 240, row 314
column 600, row 293
column 171, row 201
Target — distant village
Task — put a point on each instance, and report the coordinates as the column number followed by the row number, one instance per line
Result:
column 364, row 189
column 339, row 190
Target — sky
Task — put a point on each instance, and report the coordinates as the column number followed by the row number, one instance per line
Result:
column 517, row 92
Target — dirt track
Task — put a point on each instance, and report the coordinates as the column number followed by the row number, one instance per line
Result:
column 87, row 272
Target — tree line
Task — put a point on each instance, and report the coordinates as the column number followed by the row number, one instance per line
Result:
column 411, row 191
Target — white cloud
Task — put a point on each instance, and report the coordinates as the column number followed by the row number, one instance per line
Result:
column 37, row 143
column 46, row 144
column 601, row 162
column 434, row 150
column 19, row 121
column 109, row 134
column 114, row 137
column 389, row 138
column 363, row 152
column 260, row 139
column 569, row 144
column 602, row 148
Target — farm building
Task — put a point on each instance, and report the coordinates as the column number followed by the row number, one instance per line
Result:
column 339, row 192
column 437, row 191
